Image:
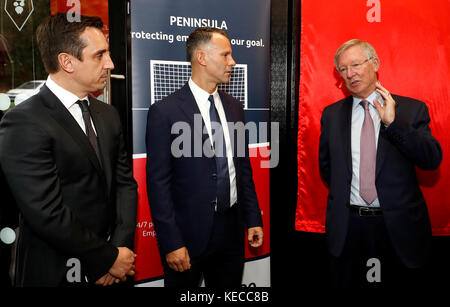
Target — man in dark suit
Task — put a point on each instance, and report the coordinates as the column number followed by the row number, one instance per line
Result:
column 67, row 167
column 369, row 146
column 201, row 192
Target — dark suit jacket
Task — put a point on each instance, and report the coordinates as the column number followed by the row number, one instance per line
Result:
column 69, row 204
column 181, row 190
column 406, row 143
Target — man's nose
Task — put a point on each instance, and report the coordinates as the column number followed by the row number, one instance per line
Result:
column 232, row 62
column 350, row 72
column 109, row 63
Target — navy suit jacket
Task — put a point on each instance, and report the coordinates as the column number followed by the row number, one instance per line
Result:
column 406, row 143
column 181, row 190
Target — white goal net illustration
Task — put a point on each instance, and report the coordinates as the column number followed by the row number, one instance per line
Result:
column 168, row 76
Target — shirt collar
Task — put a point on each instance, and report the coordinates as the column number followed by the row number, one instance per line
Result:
column 67, row 98
column 370, row 99
column 200, row 95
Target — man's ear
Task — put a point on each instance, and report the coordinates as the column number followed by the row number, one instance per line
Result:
column 65, row 61
column 376, row 64
column 200, row 56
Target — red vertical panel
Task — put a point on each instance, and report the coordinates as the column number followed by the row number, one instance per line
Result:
column 412, row 40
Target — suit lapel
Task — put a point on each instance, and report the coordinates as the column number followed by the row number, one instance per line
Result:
column 383, row 144
column 103, row 144
column 63, row 117
column 190, row 108
column 227, row 108
column 230, row 117
column 347, row 132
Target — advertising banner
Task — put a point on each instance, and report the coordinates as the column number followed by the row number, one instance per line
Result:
column 159, row 30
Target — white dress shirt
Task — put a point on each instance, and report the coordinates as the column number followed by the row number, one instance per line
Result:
column 201, row 97
column 357, row 122
column 69, row 100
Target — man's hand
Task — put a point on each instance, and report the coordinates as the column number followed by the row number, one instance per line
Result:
column 124, row 264
column 107, row 280
column 255, row 236
column 387, row 111
column 178, row 260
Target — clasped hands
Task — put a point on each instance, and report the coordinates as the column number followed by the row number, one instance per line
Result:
column 122, row 267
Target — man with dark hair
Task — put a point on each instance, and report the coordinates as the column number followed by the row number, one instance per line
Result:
column 201, row 202
column 64, row 158
column 369, row 146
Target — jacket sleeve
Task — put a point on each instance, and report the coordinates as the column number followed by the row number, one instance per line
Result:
column 126, row 195
column 159, row 180
column 247, row 194
column 324, row 150
column 411, row 134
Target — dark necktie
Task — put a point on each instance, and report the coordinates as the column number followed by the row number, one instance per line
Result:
column 220, row 153
column 87, row 124
column 368, row 153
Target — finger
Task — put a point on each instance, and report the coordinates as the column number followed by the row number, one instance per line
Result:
column 256, row 244
column 176, row 266
column 186, row 265
column 180, row 267
column 388, row 100
column 105, row 280
column 252, row 240
column 100, row 281
column 187, row 261
column 111, row 280
column 381, row 89
column 384, row 94
column 257, row 240
column 251, row 235
column 378, row 85
column 378, row 105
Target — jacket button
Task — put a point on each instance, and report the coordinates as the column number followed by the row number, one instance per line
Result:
column 214, row 176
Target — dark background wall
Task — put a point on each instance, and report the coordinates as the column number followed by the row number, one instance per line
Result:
column 298, row 258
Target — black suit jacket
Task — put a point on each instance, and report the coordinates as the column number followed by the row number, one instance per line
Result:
column 181, row 190
column 69, row 204
column 406, row 143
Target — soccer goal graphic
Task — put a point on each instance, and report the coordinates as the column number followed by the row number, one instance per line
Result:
column 168, row 76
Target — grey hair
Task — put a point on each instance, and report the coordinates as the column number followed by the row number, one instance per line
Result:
column 367, row 48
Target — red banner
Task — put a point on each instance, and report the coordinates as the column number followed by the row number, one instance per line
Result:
column 412, row 40
column 84, row 7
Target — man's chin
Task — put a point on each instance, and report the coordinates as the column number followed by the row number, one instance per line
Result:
column 226, row 80
column 101, row 86
column 97, row 89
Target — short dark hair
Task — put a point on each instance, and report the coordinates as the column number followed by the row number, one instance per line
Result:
column 200, row 36
column 56, row 34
